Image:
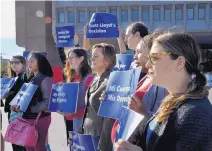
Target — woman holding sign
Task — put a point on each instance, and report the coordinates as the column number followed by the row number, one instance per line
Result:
column 40, row 67
column 184, row 119
column 77, row 70
column 103, row 60
column 17, row 69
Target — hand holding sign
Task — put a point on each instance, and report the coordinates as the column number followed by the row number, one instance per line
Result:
column 103, row 96
column 128, row 121
column 136, row 105
column 23, row 97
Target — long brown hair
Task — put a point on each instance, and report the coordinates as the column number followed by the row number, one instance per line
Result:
column 181, row 44
column 11, row 73
column 84, row 68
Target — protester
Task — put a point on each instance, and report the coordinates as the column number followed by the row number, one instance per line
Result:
column 39, row 65
column 134, row 33
column 144, row 85
column 184, row 119
column 17, row 68
column 77, row 70
column 103, row 60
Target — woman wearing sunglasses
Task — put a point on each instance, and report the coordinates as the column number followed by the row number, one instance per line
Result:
column 17, row 68
column 184, row 119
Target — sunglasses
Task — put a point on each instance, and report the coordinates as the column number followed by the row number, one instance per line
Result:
column 153, row 57
column 15, row 62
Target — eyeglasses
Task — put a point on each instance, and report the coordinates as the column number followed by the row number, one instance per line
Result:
column 153, row 57
column 15, row 62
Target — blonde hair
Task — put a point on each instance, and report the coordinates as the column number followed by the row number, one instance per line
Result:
column 181, row 44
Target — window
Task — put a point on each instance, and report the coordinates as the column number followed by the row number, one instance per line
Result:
column 81, row 16
column 71, row 17
column 167, row 13
column 145, row 14
column 134, row 15
column 190, row 12
column 114, row 12
column 61, row 17
column 201, row 11
column 156, row 13
column 124, row 15
column 91, row 13
column 179, row 12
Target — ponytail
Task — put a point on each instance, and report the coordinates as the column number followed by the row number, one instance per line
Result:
column 199, row 79
column 196, row 90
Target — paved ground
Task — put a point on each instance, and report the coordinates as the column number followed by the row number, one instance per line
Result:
column 57, row 136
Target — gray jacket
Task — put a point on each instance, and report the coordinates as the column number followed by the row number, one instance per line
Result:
column 93, row 123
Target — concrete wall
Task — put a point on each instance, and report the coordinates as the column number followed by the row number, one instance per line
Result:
column 32, row 32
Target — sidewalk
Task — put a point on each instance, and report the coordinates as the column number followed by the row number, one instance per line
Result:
column 57, row 134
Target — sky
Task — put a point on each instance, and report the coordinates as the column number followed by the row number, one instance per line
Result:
column 8, row 45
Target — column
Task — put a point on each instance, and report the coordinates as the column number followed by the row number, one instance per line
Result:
column 185, row 16
column 151, row 17
column 75, row 13
column 129, row 14
column 173, row 15
column 66, row 15
column 139, row 13
column 118, row 14
column 196, row 12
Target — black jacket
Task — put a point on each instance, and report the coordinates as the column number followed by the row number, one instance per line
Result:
column 188, row 128
column 21, row 79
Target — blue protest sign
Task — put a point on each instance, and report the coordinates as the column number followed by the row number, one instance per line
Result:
column 123, row 62
column 26, row 54
column 64, row 97
column 209, row 79
column 6, row 85
column 128, row 121
column 65, row 36
column 102, row 25
column 24, row 96
column 121, row 85
column 81, row 142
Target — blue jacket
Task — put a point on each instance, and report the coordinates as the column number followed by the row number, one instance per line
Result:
column 153, row 98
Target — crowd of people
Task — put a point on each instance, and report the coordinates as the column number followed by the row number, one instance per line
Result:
column 171, row 93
